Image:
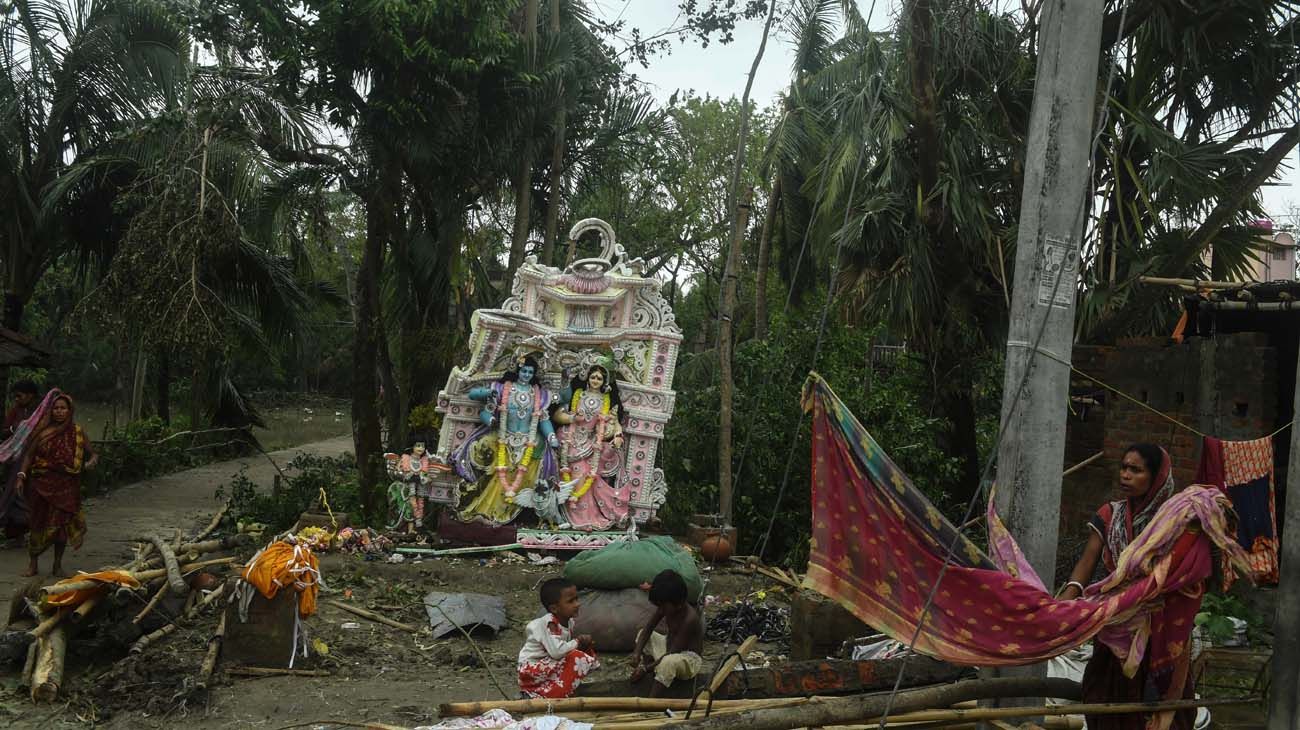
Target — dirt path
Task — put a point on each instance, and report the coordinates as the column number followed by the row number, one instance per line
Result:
column 159, row 505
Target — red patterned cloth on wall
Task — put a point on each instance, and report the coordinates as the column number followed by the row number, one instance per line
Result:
column 1244, row 471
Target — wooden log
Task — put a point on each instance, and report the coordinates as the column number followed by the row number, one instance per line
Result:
column 276, row 672
column 979, row 714
column 214, row 651
column 363, row 613
column 838, row 676
column 1192, row 283
column 48, row 674
column 174, row 579
column 48, row 623
column 29, row 666
column 843, row 710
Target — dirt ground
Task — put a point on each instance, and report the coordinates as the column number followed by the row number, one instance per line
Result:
column 378, row 673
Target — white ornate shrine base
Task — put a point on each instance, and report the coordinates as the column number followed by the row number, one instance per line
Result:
column 571, row 539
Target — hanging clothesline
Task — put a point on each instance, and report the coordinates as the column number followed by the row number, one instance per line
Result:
column 1139, row 402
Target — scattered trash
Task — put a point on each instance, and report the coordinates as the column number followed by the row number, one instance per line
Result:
column 349, row 625
column 321, row 647
column 448, row 611
column 502, row 719
column 397, row 558
column 363, row 541
column 538, row 559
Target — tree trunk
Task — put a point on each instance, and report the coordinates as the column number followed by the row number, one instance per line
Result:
column 726, row 309
column 524, row 173
column 380, row 219
column 138, row 376
column 959, row 407
column 393, row 413
column 164, row 387
column 523, row 204
column 764, row 261
column 557, row 159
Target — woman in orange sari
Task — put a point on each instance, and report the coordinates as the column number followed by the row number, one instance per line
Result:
column 50, row 480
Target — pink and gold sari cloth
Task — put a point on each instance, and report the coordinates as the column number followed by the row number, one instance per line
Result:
column 878, row 546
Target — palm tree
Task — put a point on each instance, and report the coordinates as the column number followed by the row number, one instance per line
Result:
column 74, row 75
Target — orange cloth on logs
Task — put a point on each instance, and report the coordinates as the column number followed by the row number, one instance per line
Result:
column 281, row 564
column 105, row 578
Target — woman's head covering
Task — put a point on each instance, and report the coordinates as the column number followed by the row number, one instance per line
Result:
column 50, row 429
column 1128, row 517
column 23, row 437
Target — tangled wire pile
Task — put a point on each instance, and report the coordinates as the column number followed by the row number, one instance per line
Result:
column 740, row 619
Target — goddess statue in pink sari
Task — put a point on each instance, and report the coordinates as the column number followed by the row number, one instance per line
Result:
column 591, row 452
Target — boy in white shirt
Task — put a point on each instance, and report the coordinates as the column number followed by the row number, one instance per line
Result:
column 552, row 663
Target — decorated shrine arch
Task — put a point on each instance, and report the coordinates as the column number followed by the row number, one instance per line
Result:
column 600, row 310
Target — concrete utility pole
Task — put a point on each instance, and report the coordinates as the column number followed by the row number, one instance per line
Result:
column 1045, row 281
column 1284, row 699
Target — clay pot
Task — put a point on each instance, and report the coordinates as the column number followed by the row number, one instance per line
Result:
column 716, row 548
column 204, row 581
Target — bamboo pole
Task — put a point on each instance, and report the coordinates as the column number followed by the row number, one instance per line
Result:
column 1194, row 283
column 843, row 710
column 276, row 672
column 214, row 651
column 596, row 704
column 364, row 613
column 1083, row 463
column 48, row 674
column 80, row 613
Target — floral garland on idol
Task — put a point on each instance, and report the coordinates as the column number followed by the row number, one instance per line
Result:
column 502, row 465
column 593, row 461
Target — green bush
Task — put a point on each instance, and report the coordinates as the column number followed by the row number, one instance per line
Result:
column 279, row 508
column 892, row 403
column 138, row 451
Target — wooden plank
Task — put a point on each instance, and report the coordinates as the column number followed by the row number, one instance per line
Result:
column 837, row 676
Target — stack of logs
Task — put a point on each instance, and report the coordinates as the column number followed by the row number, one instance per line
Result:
column 163, row 570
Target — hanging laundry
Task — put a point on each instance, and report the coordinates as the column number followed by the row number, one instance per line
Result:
column 878, row 547
column 1244, row 471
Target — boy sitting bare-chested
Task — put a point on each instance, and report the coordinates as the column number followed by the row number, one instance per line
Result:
column 677, row 655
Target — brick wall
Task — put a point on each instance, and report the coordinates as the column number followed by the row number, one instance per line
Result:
column 1224, row 386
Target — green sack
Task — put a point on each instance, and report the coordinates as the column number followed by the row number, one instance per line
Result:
column 629, row 564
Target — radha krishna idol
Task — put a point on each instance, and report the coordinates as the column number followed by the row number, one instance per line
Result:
column 520, row 435
column 591, row 442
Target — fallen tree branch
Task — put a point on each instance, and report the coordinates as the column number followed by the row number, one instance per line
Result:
column 152, row 604
column 142, row 577
column 216, row 520
column 144, row 641
column 367, row 614
column 174, row 578
column 48, row 674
